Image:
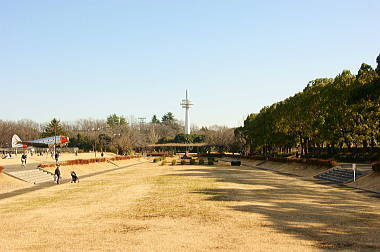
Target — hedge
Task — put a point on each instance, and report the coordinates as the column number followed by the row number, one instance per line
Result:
column 159, row 154
column 88, row 161
column 307, row 161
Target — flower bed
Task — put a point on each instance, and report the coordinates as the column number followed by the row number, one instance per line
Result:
column 88, row 161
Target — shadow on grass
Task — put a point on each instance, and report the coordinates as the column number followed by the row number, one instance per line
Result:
column 49, row 184
column 333, row 218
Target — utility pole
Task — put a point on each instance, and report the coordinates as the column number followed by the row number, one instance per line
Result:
column 141, row 122
column 55, row 143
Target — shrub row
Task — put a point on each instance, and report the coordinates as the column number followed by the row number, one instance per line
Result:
column 88, row 161
column 307, row 161
column 193, row 162
column 376, row 166
column 159, row 154
column 284, row 159
column 214, row 155
column 158, row 159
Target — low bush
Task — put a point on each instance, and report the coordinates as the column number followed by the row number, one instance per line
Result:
column 321, row 162
column 159, row 154
column 192, row 161
column 201, row 161
column 210, row 162
column 87, row 161
column 376, row 166
column 183, row 161
column 156, row 160
column 256, row 157
column 163, row 162
column 174, row 162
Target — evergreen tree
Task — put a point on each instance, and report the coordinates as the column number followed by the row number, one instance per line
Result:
column 335, row 113
column 168, row 118
column 114, row 120
column 54, row 128
column 155, row 120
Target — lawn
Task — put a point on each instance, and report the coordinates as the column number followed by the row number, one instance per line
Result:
column 145, row 206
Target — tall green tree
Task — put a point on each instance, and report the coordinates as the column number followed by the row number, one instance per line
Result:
column 54, row 128
column 339, row 112
column 115, row 120
column 155, row 119
column 168, row 118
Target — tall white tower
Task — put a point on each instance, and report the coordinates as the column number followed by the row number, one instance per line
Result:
column 186, row 104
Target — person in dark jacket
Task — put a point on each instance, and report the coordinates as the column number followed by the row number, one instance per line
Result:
column 74, row 177
column 56, row 156
column 57, row 173
column 23, row 159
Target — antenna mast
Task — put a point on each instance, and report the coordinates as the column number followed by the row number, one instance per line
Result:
column 186, row 104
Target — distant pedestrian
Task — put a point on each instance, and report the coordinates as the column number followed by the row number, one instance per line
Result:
column 23, row 159
column 102, row 154
column 56, row 156
column 57, row 173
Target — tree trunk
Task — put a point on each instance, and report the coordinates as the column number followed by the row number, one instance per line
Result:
column 365, row 144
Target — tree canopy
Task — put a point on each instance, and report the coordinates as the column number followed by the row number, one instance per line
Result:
column 54, row 128
column 114, row 120
column 155, row 120
column 339, row 112
column 168, row 118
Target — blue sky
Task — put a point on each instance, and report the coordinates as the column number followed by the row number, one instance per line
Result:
column 88, row 59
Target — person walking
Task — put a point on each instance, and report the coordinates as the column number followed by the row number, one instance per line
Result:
column 57, row 173
column 56, row 156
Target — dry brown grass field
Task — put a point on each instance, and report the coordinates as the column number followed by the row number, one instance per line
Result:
column 143, row 206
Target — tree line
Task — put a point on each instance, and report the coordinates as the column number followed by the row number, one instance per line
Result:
column 330, row 116
column 117, row 135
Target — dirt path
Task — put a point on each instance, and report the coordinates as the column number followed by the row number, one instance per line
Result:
column 149, row 207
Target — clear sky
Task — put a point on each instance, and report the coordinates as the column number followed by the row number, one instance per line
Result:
column 87, row 59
